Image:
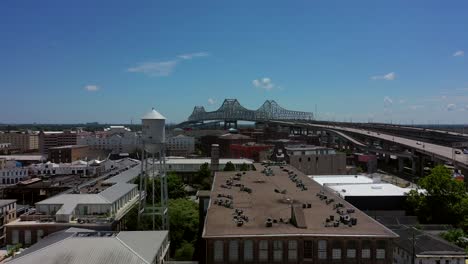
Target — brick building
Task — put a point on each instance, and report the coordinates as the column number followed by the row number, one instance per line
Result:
column 24, row 141
column 68, row 154
column 50, row 139
column 249, row 150
column 278, row 215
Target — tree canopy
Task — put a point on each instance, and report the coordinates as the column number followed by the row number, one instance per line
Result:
column 443, row 200
column 203, row 177
column 229, row 166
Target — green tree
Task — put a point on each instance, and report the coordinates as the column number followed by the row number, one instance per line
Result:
column 185, row 252
column 229, row 166
column 183, row 215
column 203, row 177
column 244, row 167
column 442, row 199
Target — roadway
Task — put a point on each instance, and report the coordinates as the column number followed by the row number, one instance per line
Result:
column 433, row 150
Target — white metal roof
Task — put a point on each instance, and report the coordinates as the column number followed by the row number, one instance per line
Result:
column 206, row 160
column 369, row 189
column 334, row 179
column 153, row 115
column 139, row 247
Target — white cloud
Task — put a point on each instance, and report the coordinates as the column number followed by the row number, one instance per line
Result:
column 387, row 102
column 263, row 83
column 402, row 101
column 415, row 107
column 163, row 68
column 91, row 88
column 451, row 107
column 211, row 101
column 190, row 56
column 459, row 53
column 388, row 77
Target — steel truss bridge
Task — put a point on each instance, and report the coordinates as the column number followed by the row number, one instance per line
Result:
column 232, row 110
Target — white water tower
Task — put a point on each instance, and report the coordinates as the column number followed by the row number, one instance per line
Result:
column 153, row 131
column 153, row 139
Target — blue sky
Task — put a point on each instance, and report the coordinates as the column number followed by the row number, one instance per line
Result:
column 111, row 61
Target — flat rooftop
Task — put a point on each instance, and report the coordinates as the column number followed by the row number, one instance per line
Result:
column 272, row 197
column 174, row 160
column 369, row 189
column 70, row 147
column 334, row 179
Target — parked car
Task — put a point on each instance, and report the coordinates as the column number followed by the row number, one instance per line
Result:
column 465, row 151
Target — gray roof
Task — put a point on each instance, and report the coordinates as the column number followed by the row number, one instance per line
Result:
column 425, row 243
column 70, row 201
column 144, row 243
column 4, row 202
column 116, row 191
column 126, row 247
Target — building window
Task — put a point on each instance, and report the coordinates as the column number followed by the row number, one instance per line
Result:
column 248, row 250
column 365, row 249
column 438, row 261
column 308, row 249
column 380, row 251
column 233, row 250
column 15, row 237
column 336, row 249
column 40, row 234
column 218, row 251
column 292, row 250
column 27, row 237
column 263, row 250
column 351, row 249
column 322, row 249
column 278, row 250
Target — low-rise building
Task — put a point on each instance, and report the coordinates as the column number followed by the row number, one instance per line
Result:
column 117, row 139
column 24, row 141
column 369, row 194
column 12, row 172
column 313, row 160
column 68, row 153
column 278, row 215
column 78, row 167
column 180, row 145
column 251, row 151
column 84, row 246
column 7, row 214
column 101, row 206
column 419, row 247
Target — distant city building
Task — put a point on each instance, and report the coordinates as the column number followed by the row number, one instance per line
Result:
column 278, row 215
column 5, row 148
column 50, row 139
column 251, row 150
column 180, row 145
column 7, row 214
column 312, row 160
column 225, row 141
column 425, row 248
column 24, row 159
column 78, row 167
column 12, row 172
column 188, row 167
column 101, row 206
column 68, row 154
column 88, row 246
column 24, row 141
column 117, row 139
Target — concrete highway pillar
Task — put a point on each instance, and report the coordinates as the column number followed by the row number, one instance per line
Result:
column 401, row 164
column 414, row 165
column 387, row 158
